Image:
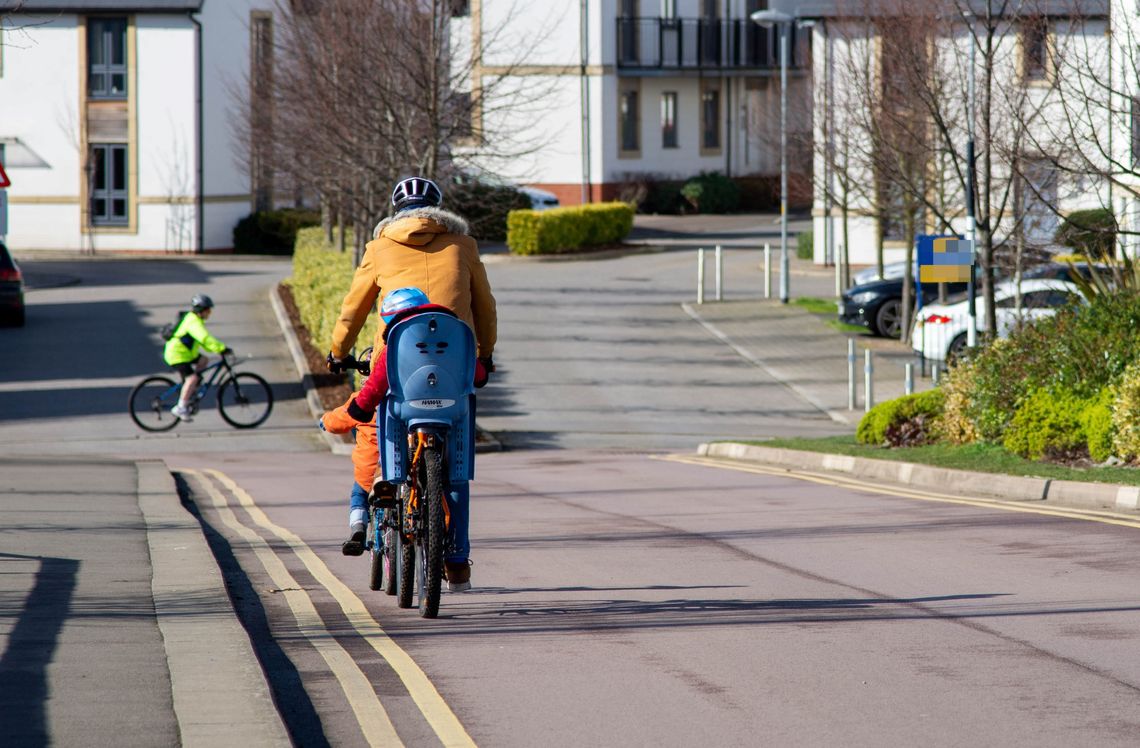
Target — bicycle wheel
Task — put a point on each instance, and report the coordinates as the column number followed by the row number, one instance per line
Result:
column 430, row 540
column 150, row 403
column 245, row 400
column 389, row 562
column 376, row 548
column 405, row 559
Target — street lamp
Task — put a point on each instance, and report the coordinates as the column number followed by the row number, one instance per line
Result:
column 768, row 19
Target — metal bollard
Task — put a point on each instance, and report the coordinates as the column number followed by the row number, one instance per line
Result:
column 701, row 276
column 719, row 274
column 868, row 379
column 850, row 374
column 767, row 270
column 934, row 370
column 909, row 379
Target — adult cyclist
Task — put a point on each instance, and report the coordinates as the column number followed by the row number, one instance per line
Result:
column 183, row 351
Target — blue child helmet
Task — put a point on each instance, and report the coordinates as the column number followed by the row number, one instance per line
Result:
column 400, row 300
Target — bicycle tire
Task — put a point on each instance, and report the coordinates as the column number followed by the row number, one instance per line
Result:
column 252, row 400
column 376, row 550
column 389, row 562
column 406, row 560
column 150, row 402
column 433, row 535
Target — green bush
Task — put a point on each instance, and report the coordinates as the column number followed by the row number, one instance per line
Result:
column 711, row 192
column 272, row 232
column 531, row 232
column 652, row 193
column 905, row 421
column 485, row 207
column 805, row 245
column 1126, row 414
column 1079, row 349
column 1048, row 423
column 1090, row 232
column 1099, row 429
column 321, row 277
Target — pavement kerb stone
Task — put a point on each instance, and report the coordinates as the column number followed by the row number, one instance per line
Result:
column 218, row 688
column 964, row 482
column 337, row 443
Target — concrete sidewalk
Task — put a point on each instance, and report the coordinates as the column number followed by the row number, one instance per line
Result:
column 117, row 628
column 809, row 356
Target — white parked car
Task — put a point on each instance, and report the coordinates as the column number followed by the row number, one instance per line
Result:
column 891, row 270
column 940, row 331
column 540, row 199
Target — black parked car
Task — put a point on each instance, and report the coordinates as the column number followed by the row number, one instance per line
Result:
column 878, row 305
column 11, row 290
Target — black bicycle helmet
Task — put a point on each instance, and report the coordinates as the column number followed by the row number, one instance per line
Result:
column 416, row 192
column 201, row 302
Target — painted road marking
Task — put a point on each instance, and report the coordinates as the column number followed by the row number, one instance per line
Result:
column 435, row 710
column 1088, row 515
column 370, row 713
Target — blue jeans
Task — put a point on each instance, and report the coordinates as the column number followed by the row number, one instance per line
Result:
column 458, row 503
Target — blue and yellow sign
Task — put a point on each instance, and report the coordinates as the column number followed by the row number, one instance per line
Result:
column 944, row 259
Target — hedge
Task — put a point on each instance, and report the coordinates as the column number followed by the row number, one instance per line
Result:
column 485, row 207
column 321, row 277
column 272, row 232
column 531, row 232
column 711, row 192
column 905, row 421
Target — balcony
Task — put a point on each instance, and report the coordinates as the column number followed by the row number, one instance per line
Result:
column 701, row 44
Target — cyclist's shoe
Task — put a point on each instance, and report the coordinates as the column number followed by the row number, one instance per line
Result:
column 458, row 575
column 182, row 413
column 354, row 546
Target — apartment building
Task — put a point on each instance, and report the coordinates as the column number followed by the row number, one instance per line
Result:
column 625, row 89
column 121, row 121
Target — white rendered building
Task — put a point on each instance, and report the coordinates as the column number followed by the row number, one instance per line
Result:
column 613, row 90
column 119, row 126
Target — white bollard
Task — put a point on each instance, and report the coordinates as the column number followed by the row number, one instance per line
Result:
column 868, row 379
column 910, row 379
column 850, row 374
column 934, row 369
column 719, row 274
column 701, row 276
column 767, row 270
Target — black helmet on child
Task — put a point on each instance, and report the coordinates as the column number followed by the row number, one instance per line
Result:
column 201, row 302
column 416, row 192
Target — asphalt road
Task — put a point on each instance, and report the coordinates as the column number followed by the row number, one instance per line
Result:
column 620, row 598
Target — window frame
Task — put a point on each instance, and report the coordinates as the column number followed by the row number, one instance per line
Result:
column 102, row 156
column 669, row 136
column 710, row 125
column 629, row 119
column 99, row 40
column 1036, row 40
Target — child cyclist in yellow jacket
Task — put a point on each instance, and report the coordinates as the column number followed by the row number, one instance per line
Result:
column 182, row 350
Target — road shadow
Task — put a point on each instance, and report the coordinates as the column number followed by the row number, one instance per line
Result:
column 31, row 648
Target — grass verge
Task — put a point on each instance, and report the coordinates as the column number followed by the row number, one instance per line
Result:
column 982, row 458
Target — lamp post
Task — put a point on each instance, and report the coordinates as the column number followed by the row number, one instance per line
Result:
column 768, row 19
column 971, row 191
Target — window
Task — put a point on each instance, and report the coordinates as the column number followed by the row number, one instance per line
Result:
column 629, row 8
column 669, row 119
column 709, row 9
column 108, row 174
column 1035, row 49
column 460, row 8
column 669, row 9
column 630, row 140
column 107, row 58
column 710, row 119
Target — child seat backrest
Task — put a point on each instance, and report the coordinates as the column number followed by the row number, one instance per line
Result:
column 431, row 365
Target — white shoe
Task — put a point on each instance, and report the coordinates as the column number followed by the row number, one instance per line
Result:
column 182, row 413
column 458, row 586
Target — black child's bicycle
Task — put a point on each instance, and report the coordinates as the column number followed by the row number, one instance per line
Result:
column 244, row 398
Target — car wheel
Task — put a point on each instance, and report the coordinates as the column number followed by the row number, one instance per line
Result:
column 888, row 320
column 956, row 349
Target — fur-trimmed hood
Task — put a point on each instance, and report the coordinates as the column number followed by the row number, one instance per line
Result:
column 409, row 226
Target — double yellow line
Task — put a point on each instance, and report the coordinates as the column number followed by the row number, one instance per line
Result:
column 1088, row 515
column 370, row 713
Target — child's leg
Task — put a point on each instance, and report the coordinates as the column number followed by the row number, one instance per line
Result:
column 358, row 505
column 458, row 504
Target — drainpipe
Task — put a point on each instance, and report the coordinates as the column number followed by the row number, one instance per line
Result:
column 199, row 198
column 584, row 48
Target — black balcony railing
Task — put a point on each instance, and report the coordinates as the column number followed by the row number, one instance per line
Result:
column 701, row 43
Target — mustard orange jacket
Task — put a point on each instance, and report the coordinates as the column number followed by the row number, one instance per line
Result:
column 425, row 248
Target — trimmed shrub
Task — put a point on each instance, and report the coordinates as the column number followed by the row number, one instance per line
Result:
column 711, row 192
column 1047, row 424
column 1097, row 421
column 321, row 277
column 805, row 245
column 652, row 193
column 485, row 207
column 1126, row 414
column 909, row 421
column 1090, row 232
column 531, row 232
column 272, row 232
